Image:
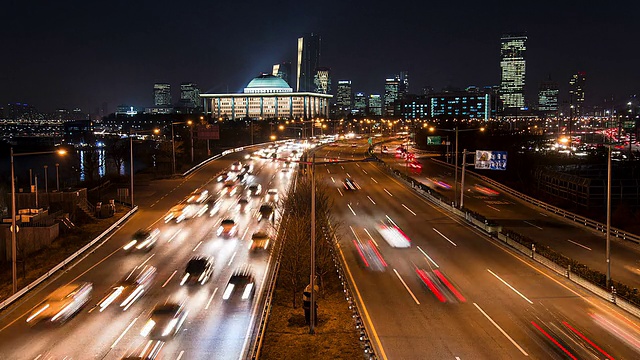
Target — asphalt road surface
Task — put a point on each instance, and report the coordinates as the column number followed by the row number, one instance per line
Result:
column 214, row 328
column 453, row 293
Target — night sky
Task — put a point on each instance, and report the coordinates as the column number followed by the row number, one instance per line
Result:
column 66, row 54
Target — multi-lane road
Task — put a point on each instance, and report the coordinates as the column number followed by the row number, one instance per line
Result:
column 573, row 240
column 214, row 328
column 455, row 293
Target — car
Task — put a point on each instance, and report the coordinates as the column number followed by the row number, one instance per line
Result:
column 416, row 165
column 248, row 168
column 350, row 185
column 254, row 190
column 241, row 178
column 143, row 240
column 272, row 195
column 241, row 285
column 259, row 241
column 198, row 271
column 285, row 172
column 215, row 208
column 354, row 145
column 236, row 166
column 229, row 188
column 62, row 304
column 165, row 321
column 130, row 288
column 243, row 206
column 199, row 196
column 149, row 350
column 179, row 213
column 394, row 236
column 265, row 212
column 370, row 256
column 227, row 228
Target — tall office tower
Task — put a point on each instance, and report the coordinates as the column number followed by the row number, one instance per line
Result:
column 375, row 105
column 322, row 80
column 283, row 71
column 343, row 97
column 189, row 95
column 576, row 92
column 403, row 88
column 161, row 94
column 512, row 65
column 359, row 103
column 391, row 88
column 307, row 62
column 548, row 98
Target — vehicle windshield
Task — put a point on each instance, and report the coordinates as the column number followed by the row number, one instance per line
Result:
column 196, row 266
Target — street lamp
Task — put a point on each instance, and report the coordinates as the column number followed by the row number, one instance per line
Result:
column 155, row 131
column 57, row 177
column 14, row 229
column 432, row 129
column 173, row 143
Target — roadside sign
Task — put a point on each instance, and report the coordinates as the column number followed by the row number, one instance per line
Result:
column 208, row 132
column 491, row 160
column 434, row 140
column 370, row 141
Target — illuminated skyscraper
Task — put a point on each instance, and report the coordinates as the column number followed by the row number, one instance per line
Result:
column 161, row 94
column 322, row 80
column 343, row 97
column 189, row 95
column 307, row 61
column 359, row 103
column 548, row 98
column 576, row 92
column 375, row 105
column 513, row 65
column 391, row 89
column 403, row 87
column 283, row 71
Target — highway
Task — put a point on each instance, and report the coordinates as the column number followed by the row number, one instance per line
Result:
column 454, row 293
column 214, row 328
column 572, row 240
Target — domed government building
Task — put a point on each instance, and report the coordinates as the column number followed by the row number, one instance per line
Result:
column 267, row 96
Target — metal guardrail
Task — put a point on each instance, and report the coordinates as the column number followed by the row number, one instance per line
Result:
column 66, row 261
column 619, row 233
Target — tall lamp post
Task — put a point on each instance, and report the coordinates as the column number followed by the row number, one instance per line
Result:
column 432, row 129
column 57, row 177
column 173, row 143
column 608, row 246
column 14, row 229
column 155, row 131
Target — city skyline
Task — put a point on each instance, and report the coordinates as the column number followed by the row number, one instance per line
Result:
column 62, row 49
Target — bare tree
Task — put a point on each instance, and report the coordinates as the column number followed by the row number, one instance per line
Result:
column 294, row 265
column 117, row 150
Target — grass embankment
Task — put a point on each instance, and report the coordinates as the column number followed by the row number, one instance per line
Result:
column 46, row 258
column 287, row 334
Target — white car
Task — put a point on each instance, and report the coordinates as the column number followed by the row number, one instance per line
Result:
column 272, row 195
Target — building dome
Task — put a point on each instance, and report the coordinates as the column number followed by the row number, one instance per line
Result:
column 267, row 83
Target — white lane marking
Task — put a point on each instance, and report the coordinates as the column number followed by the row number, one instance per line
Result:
column 340, row 192
column 409, row 210
column 441, row 234
column 348, row 175
column 406, row 287
column 232, row 256
column 358, row 165
column 353, row 212
column 174, row 235
column 354, row 233
column 332, row 179
column 245, row 233
column 510, row 287
column 123, row 333
column 368, row 197
column 502, row 331
column 342, row 167
column 329, row 172
column 391, row 221
column 180, row 355
column 365, row 171
column 582, row 246
column 374, row 180
column 428, row 257
column 38, row 357
column 457, row 358
column 496, row 209
column 197, row 246
column 211, row 298
column 387, row 191
column 170, row 277
column 144, row 262
column 526, row 222
column 545, row 215
column 371, row 237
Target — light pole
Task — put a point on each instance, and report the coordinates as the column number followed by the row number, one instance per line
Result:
column 173, row 143
column 608, row 251
column 46, row 179
column 57, row 177
column 312, row 310
column 14, row 229
column 155, row 131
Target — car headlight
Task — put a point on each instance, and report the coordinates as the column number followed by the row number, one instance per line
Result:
column 247, row 291
column 169, row 327
column 129, row 245
column 114, row 295
column 35, row 314
column 228, row 291
column 184, row 279
column 146, row 329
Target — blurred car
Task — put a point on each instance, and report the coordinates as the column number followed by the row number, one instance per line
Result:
column 229, row 188
column 227, row 228
column 199, row 270
column 394, row 236
column 439, row 183
column 62, row 304
column 265, row 212
column 215, row 208
column 241, row 285
column 178, row 213
column 199, row 196
column 350, row 185
column 285, row 172
column 248, row 168
column 254, row 190
column 272, row 195
column 243, row 206
column 165, row 321
column 236, row 166
column 416, row 165
column 485, row 190
column 370, row 256
column 143, row 240
column 130, row 289
column 259, row 241
column 146, row 351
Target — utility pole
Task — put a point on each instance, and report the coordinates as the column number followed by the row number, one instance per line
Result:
column 456, row 167
column 312, row 310
column 608, row 251
column 464, row 165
